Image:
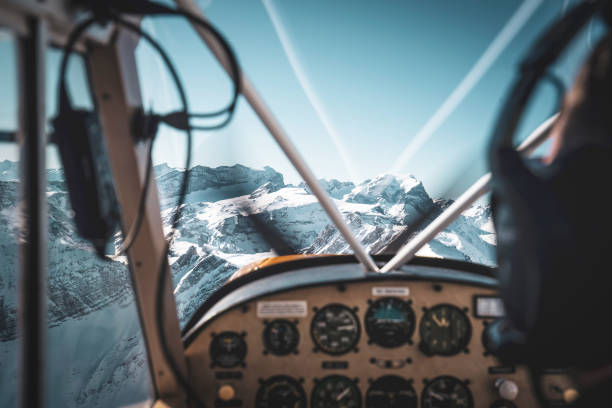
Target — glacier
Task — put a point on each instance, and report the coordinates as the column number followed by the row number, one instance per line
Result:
column 96, row 351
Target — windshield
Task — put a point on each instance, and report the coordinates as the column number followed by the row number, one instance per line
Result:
column 95, row 352
column 390, row 103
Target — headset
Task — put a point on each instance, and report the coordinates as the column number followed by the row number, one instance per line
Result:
column 536, row 234
column 79, row 137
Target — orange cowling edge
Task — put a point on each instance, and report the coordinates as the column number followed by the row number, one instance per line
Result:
column 262, row 263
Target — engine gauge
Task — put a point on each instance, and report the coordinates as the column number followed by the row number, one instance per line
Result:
column 445, row 330
column 280, row 391
column 227, row 349
column 389, row 322
column 335, row 391
column 281, row 337
column 335, row 329
column 391, row 391
column 447, row 392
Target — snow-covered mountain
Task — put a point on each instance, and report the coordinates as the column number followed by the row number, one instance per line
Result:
column 94, row 331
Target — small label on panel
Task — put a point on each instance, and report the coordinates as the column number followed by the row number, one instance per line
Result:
column 489, row 306
column 390, row 291
column 282, row 308
column 334, row 365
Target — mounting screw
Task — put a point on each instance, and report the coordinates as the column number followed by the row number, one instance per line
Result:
column 437, row 287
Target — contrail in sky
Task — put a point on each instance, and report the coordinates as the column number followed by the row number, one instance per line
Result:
column 307, row 87
column 486, row 60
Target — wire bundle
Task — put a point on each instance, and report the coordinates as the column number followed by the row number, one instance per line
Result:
column 111, row 11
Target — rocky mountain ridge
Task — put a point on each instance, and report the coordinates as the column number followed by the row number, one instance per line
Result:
column 215, row 238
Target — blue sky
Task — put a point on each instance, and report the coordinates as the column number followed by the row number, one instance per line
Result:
column 353, row 83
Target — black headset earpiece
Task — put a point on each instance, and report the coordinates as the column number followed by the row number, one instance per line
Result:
column 80, row 140
column 535, row 241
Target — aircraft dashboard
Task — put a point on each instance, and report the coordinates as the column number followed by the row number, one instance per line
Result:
column 327, row 335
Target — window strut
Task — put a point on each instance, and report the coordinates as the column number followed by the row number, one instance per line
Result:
column 473, row 193
column 265, row 115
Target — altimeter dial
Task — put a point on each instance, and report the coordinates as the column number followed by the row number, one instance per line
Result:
column 447, row 392
column 445, row 330
column 335, row 329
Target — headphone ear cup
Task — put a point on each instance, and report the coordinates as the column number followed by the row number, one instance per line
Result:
column 513, row 185
column 534, row 246
column 87, row 171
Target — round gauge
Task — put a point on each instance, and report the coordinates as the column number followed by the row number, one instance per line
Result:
column 335, row 329
column 502, row 403
column 447, row 392
column 281, row 337
column 228, row 349
column 391, row 391
column 280, row 391
column 390, row 322
column 335, row 391
column 445, row 330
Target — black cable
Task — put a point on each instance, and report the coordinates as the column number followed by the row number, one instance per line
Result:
column 180, row 120
column 64, row 105
column 183, row 382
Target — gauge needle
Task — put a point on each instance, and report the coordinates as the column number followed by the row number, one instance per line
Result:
column 346, row 327
column 436, row 396
column 437, row 321
column 342, row 394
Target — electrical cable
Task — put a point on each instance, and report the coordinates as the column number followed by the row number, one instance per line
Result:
column 180, row 120
column 64, row 104
column 191, row 394
column 161, row 280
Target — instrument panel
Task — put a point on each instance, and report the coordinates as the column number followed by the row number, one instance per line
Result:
column 368, row 343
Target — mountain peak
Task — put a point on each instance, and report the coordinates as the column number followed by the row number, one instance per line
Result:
column 387, row 187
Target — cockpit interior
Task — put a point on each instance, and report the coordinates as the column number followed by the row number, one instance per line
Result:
column 386, row 213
